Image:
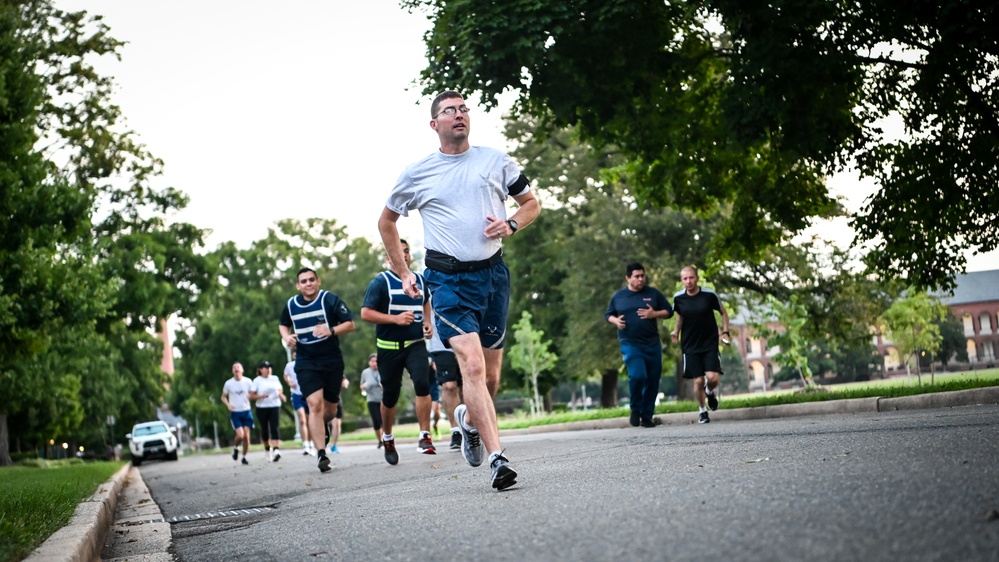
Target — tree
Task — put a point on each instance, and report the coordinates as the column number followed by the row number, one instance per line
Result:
column 566, row 266
column 254, row 285
column 912, row 325
column 953, row 343
column 782, row 325
column 87, row 262
column 744, row 108
column 530, row 355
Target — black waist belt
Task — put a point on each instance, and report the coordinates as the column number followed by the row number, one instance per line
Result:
column 439, row 261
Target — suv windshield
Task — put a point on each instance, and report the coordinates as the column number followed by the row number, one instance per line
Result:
column 149, row 430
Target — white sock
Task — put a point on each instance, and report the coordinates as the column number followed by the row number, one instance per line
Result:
column 388, row 437
column 703, row 409
column 493, row 455
column 424, row 434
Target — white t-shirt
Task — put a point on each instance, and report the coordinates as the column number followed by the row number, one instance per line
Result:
column 238, row 393
column 454, row 194
column 292, row 377
column 270, row 386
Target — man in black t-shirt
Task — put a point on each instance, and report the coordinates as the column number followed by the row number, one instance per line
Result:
column 697, row 331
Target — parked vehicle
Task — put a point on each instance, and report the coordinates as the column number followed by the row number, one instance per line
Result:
column 152, row 440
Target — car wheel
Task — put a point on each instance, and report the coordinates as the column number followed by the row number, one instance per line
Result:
column 172, row 456
column 136, row 461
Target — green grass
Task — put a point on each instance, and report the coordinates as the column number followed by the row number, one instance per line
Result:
column 888, row 388
column 39, row 498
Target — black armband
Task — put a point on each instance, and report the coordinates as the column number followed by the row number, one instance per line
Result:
column 519, row 186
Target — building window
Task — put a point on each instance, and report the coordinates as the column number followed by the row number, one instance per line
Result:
column 985, row 323
column 972, row 351
column 969, row 325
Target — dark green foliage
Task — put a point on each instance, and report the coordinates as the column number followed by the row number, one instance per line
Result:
column 88, row 262
column 254, row 284
column 742, row 109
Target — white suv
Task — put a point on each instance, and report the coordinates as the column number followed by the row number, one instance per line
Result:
column 152, row 440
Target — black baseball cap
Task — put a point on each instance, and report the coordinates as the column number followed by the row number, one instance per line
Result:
column 264, row 363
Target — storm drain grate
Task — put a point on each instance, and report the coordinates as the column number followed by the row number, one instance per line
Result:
column 214, row 515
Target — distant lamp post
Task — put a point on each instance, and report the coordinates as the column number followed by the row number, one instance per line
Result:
column 65, row 447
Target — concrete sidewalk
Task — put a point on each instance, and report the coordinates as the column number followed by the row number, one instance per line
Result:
column 83, row 539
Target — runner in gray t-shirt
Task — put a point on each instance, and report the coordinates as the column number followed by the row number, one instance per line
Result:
column 461, row 192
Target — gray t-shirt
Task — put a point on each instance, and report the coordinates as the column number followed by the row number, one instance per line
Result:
column 454, row 194
column 371, row 382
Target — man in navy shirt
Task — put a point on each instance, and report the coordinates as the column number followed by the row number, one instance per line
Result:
column 311, row 324
column 634, row 311
column 401, row 324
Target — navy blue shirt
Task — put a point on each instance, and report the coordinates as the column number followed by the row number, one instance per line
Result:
column 637, row 331
column 385, row 295
column 302, row 317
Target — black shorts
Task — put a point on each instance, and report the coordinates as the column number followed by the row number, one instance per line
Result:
column 447, row 367
column 414, row 359
column 270, row 419
column 700, row 362
column 326, row 376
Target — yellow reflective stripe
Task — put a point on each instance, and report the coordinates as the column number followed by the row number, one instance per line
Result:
column 386, row 344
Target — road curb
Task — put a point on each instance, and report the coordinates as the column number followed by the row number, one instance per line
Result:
column 985, row 395
column 82, row 539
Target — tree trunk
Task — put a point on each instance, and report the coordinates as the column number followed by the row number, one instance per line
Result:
column 608, row 389
column 5, row 459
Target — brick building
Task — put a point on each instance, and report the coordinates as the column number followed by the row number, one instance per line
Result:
column 975, row 303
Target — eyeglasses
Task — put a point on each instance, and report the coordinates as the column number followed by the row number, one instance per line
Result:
column 452, row 110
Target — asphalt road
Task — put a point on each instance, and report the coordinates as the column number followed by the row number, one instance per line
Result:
column 911, row 485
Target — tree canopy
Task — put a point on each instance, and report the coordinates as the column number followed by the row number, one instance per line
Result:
column 89, row 261
column 742, row 109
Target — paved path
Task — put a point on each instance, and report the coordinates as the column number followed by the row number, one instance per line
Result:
column 139, row 532
column 906, row 485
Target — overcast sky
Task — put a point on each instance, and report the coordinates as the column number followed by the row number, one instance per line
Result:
column 269, row 110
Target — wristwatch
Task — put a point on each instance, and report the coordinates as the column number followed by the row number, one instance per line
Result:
column 513, row 225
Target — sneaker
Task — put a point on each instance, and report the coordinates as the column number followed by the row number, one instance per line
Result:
column 650, row 422
column 391, row 456
column 437, row 432
column 471, row 446
column 328, row 428
column 379, row 444
column 426, row 445
column 455, row 440
column 277, row 456
column 235, row 454
column 305, row 452
column 334, row 449
column 245, row 461
column 634, row 419
column 704, row 418
column 503, row 475
column 324, row 462
column 712, row 402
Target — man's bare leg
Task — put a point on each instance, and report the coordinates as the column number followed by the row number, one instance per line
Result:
column 478, row 400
